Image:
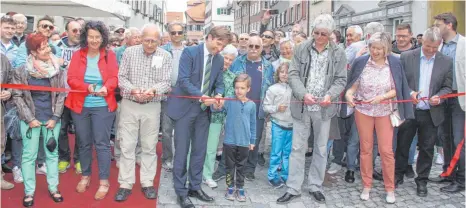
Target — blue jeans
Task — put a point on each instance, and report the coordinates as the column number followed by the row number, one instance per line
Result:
column 280, row 153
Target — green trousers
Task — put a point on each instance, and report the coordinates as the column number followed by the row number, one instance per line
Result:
column 30, row 149
column 212, row 143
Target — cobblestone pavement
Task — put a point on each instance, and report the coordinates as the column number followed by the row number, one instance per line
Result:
column 338, row 193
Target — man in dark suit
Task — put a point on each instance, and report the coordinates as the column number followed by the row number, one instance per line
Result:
column 200, row 75
column 429, row 74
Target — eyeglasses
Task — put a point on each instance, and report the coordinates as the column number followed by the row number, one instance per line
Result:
column 75, row 30
column 45, row 26
column 149, row 41
column 257, row 47
column 120, row 31
column 176, row 32
column 266, row 36
column 323, row 34
column 246, row 39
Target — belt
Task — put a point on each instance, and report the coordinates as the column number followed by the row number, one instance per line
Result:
column 423, row 110
column 141, row 103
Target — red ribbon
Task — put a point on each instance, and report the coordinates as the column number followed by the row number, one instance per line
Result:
column 454, row 160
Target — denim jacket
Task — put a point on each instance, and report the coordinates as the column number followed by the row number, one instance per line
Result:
column 239, row 66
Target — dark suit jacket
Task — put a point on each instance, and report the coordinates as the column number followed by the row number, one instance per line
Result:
column 440, row 82
column 190, row 74
column 401, row 85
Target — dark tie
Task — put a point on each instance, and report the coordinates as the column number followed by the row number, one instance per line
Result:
column 206, row 83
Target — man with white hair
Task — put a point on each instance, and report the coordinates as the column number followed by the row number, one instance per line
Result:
column 321, row 84
column 429, row 74
column 354, row 44
column 369, row 30
column 132, row 38
column 144, row 72
column 21, row 24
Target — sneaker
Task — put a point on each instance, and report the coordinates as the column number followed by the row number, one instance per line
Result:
column 77, row 167
column 63, row 166
column 210, row 183
column 249, row 176
column 261, row 159
column 217, row 176
column 41, row 169
column 334, row 168
column 276, row 184
column 7, row 185
column 17, row 175
column 167, row 165
column 230, row 194
column 240, row 195
column 439, row 160
column 390, row 199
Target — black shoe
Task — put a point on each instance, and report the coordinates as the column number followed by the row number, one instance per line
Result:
column 454, row 187
column 410, row 172
column 441, row 179
column 318, row 196
column 249, row 176
column 6, row 168
column 201, row 195
column 122, row 194
column 218, row 158
column 217, row 176
column 185, row 202
column 149, row 192
column 261, row 159
column 421, row 190
column 28, row 203
column 308, row 154
column 398, row 181
column 285, row 199
column 377, row 176
column 349, row 176
column 56, row 199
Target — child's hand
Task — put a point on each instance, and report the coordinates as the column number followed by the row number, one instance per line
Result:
column 251, row 147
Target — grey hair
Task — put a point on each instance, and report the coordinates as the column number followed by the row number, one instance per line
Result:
column 255, row 36
column 152, row 26
column 229, row 50
column 324, row 21
column 130, row 31
column 384, row 39
column 357, row 29
column 283, row 41
column 432, row 34
column 373, row 27
column 170, row 25
column 20, row 17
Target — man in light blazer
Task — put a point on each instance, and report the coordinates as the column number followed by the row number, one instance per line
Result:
column 200, row 75
column 429, row 74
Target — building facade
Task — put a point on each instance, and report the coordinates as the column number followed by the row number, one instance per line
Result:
column 316, row 8
column 195, row 20
column 219, row 12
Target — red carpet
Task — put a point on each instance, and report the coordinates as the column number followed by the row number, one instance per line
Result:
column 68, row 181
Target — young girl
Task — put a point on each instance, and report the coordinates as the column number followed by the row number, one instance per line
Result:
column 240, row 136
column 276, row 103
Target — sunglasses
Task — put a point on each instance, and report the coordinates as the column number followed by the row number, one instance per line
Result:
column 246, row 39
column 45, row 26
column 176, row 32
column 76, row 30
column 120, row 31
column 323, row 34
column 257, row 47
column 266, row 36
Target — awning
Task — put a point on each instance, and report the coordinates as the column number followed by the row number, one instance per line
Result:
column 73, row 8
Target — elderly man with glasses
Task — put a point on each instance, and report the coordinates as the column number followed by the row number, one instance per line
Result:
column 321, row 84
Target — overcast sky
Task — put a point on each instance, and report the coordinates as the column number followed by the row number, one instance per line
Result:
column 176, row 5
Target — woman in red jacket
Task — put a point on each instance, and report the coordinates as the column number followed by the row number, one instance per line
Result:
column 93, row 70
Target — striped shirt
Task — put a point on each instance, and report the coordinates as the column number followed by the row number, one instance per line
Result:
column 141, row 71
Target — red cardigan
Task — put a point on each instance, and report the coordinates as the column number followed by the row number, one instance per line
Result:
column 108, row 69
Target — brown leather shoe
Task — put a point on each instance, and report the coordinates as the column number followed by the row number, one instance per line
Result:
column 83, row 184
column 102, row 191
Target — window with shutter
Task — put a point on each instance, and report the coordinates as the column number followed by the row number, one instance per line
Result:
column 285, row 17
column 291, row 15
column 218, row 11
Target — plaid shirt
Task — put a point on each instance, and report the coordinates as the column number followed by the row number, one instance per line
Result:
column 138, row 72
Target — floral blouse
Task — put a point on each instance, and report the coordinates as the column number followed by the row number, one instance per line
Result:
column 228, row 78
column 374, row 81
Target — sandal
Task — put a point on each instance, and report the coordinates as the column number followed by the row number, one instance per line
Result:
column 102, row 191
column 55, row 198
column 83, row 184
column 28, row 203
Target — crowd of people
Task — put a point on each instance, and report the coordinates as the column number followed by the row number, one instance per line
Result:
column 240, row 99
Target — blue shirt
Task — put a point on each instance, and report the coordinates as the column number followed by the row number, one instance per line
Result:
column 240, row 126
column 9, row 52
column 93, row 76
column 425, row 74
column 42, row 100
column 254, row 70
column 449, row 49
column 119, row 53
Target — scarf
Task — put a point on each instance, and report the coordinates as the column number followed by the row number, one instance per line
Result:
column 40, row 69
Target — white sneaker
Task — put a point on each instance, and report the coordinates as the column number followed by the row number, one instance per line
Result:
column 390, row 199
column 210, row 183
column 17, row 175
column 439, row 160
column 334, row 168
column 42, row 170
column 365, row 194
